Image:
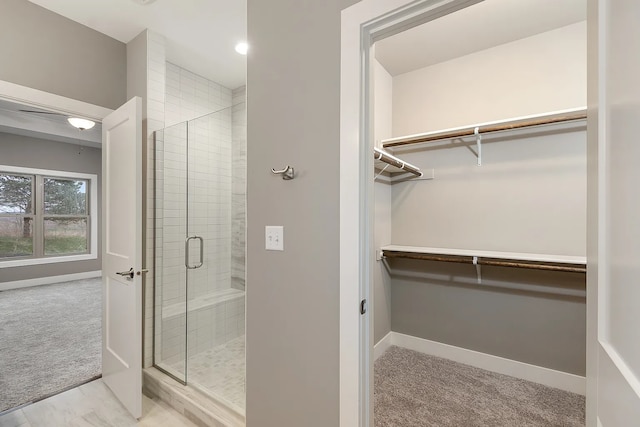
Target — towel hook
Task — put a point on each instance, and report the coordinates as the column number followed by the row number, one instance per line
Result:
column 287, row 172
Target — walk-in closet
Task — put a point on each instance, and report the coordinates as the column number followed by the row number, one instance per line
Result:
column 480, row 184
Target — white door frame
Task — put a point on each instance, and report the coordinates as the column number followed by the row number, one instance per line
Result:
column 363, row 24
column 596, row 200
column 38, row 98
column 613, row 383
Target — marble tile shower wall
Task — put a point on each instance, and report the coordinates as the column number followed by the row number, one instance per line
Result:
column 189, row 96
column 210, row 174
column 210, row 201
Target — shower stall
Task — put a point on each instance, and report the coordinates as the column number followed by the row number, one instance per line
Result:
column 199, row 313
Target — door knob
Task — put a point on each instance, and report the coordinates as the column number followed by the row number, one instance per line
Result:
column 128, row 274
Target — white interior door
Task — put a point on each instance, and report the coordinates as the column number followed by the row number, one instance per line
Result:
column 122, row 253
column 619, row 288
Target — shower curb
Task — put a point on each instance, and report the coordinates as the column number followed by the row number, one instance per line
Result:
column 198, row 408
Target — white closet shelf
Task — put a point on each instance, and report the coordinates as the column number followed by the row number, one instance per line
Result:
column 554, row 117
column 573, row 264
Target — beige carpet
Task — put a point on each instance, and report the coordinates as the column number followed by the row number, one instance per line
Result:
column 50, row 339
column 414, row 389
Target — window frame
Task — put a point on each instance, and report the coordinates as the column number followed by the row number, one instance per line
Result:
column 24, row 215
column 39, row 216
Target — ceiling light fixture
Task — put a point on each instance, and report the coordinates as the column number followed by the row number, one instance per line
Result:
column 82, row 124
column 242, row 48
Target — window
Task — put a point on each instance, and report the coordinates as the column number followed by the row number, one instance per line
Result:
column 46, row 216
column 16, row 215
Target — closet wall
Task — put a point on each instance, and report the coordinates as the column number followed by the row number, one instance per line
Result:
column 537, row 74
column 383, row 114
column 528, row 196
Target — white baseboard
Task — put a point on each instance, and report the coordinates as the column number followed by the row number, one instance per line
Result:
column 525, row 371
column 382, row 346
column 5, row 286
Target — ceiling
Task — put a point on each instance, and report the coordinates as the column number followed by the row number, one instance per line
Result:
column 478, row 27
column 46, row 124
column 200, row 34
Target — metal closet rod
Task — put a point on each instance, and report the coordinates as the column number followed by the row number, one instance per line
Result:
column 471, row 131
column 535, row 265
column 381, row 155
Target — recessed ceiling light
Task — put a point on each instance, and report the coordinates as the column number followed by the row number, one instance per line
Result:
column 143, row 2
column 242, row 48
column 82, row 124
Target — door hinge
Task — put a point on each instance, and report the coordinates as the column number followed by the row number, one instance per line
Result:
column 363, row 306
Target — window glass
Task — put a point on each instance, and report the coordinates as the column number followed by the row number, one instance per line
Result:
column 16, row 236
column 16, row 194
column 65, row 196
column 65, row 236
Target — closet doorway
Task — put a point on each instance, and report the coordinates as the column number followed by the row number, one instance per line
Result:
column 478, row 286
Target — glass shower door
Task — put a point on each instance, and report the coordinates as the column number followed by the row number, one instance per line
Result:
column 200, row 252
column 200, row 242
column 216, row 309
column 170, row 293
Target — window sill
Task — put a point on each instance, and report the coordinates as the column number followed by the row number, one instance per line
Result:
column 49, row 260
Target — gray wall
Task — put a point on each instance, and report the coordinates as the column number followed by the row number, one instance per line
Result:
column 442, row 302
column 46, row 51
column 30, row 152
column 293, row 296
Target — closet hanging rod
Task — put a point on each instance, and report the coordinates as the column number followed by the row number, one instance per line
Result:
column 539, row 120
column 536, row 265
column 381, row 155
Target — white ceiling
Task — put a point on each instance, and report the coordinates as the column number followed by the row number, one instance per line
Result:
column 200, row 34
column 478, row 27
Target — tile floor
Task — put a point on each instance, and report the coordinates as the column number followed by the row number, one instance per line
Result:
column 220, row 372
column 92, row 405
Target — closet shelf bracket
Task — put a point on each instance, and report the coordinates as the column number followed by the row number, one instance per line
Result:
column 476, row 132
column 478, row 269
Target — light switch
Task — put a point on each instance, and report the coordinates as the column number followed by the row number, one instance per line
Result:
column 274, row 238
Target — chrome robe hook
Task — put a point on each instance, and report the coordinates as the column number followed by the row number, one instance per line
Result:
column 287, row 172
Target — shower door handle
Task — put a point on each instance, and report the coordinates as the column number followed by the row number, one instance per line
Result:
column 186, row 252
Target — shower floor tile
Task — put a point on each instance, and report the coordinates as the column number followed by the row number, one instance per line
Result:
column 221, row 373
